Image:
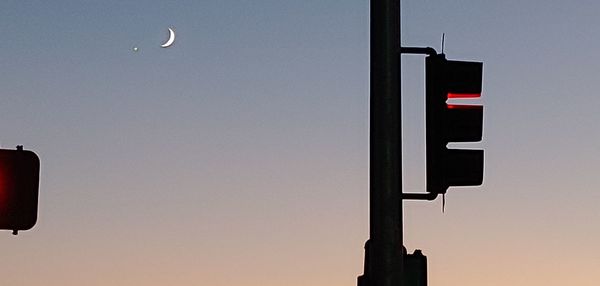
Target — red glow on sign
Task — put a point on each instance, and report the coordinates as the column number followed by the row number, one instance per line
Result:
column 464, row 95
column 4, row 195
column 463, row 106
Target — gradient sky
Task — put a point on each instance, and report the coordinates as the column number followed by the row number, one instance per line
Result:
column 239, row 156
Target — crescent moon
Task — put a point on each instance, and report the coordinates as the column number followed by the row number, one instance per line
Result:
column 171, row 39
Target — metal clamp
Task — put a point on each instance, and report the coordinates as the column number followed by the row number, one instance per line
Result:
column 418, row 50
column 419, row 196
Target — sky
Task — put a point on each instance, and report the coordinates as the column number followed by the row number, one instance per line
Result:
column 239, row 155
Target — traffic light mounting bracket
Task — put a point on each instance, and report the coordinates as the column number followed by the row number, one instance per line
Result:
column 430, row 52
column 418, row 51
column 419, row 196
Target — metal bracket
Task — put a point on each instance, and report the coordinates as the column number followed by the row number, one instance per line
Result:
column 418, row 50
column 430, row 52
column 419, row 196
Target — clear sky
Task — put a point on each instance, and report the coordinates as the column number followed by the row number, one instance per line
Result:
column 239, row 156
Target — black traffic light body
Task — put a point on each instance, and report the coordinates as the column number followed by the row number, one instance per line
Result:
column 452, row 123
column 19, row 184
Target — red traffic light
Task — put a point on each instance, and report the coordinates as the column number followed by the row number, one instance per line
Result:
column 452, row 123
column 463, row 95
column 19, row 184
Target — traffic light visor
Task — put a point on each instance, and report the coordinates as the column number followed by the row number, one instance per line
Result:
column 463, row 79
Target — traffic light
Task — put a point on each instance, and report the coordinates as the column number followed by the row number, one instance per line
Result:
column 448, row 122
column 19, row 182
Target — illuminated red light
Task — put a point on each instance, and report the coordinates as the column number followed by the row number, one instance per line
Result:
column 4, row 192
column 463, row 106
column 464, row 95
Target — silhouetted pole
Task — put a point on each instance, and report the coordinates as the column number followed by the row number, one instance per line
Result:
column 385, row 147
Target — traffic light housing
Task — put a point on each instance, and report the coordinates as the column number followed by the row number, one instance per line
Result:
column 448, row 122
column 19, row 183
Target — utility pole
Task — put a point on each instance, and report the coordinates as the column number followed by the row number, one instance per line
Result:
column 383, row 251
